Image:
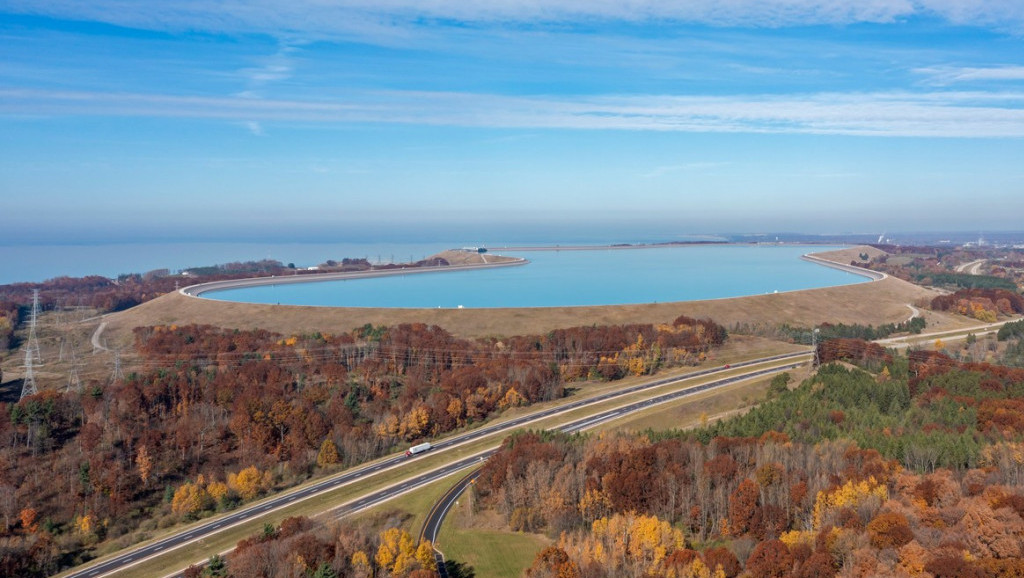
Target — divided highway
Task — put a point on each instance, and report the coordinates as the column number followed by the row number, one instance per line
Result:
column 193, row 534
column 432, row 525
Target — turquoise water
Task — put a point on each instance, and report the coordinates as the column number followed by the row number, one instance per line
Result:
column 567, row 278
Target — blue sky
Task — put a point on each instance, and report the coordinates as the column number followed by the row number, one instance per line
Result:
column 317, row 118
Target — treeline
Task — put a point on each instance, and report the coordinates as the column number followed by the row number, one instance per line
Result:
column 633, row 505
column 828, row 331
column 108, row 295
column 130, row 289
column 857, row 351
column 1011, row 330
column 926, row 410
column 967, row 281
column 211, row 417
column 982, row 304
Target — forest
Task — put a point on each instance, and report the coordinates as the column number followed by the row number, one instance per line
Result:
column 910, row 469
column 212, row 418
column 913, row 470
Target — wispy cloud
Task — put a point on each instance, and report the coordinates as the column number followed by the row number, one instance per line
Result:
column 944, row 75
column 932, row 114
column 384, row 17
column 254, row 127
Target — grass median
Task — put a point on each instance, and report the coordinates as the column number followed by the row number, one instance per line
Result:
column 175, row 560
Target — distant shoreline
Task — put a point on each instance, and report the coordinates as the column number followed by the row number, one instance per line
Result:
column 663, row 245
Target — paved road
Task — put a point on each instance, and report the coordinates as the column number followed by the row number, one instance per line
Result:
column 196, row 533
column 435, row 518
column 972, row 267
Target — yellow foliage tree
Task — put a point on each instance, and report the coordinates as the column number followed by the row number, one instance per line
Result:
column 189, row 499
column 594, row 504
column 794, row 537
column 85, row 524
column 250, row 482
column 328, row 454
column 645, row 540
column 415, row 423
column 849, row 495
column 695, row 569
column 456, row 409
column 360, row 561
column 217, row 490
column 512, row 399
column 145, row 464
column 425, row 555
column 388, row 427
column 397, row 552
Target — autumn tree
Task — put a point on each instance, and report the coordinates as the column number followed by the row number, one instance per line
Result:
column 743, row 507
column 770, row 559
column 145, row 464
column 553, row 562
column 328, row 454
column 889, row 530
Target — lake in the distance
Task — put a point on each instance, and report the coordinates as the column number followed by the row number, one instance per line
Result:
column 572, row 278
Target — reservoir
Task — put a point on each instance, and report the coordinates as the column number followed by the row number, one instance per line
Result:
column 557, row 278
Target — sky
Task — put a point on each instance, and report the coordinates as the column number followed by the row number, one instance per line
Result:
column 313, row 119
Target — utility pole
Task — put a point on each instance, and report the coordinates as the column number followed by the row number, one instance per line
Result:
column 31, row 350
column 814, row 344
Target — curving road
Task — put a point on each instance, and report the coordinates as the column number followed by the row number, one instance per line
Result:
column 435, row 518
column 193, row 534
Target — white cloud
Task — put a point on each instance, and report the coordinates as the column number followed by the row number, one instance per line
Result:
column 381, row 18
column 933, row 114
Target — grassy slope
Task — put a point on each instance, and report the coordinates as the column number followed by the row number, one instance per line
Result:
column 868, row 303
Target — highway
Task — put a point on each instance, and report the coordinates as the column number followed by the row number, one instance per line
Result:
column 435, row 518
column 190, row 535
column 432, row 525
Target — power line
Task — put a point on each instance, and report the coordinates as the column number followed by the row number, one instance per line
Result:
column 31, row 350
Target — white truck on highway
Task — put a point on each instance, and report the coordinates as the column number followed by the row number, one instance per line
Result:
column 418, row 449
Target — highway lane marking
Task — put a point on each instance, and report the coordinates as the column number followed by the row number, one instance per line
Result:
column 474, row 436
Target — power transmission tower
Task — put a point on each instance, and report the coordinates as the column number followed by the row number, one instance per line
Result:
column 74, row 381
column 32, row 356
column 117, row 375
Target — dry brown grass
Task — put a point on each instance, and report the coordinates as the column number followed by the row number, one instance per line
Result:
column 867, row 303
